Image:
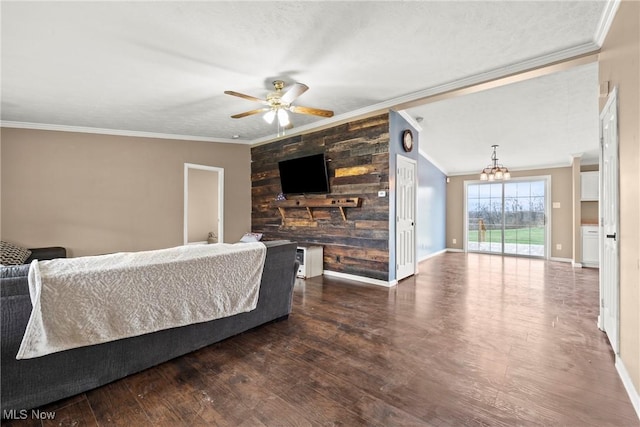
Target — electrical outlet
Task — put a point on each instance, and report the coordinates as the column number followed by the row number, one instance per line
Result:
column 558, row 246
column 454, row 241
column 382, row 193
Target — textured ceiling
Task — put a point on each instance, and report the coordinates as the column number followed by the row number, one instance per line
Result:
column 538, row 123
column 162, row 67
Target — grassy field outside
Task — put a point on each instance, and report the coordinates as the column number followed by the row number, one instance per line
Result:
column 531, row 236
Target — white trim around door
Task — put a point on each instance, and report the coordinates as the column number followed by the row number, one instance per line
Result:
column 219, row 195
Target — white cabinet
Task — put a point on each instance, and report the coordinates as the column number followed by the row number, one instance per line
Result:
column 590, row 246
column 589, row 186
column 310, row 258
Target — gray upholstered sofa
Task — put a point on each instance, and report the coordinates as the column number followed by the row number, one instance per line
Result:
column 30, row 383
column 50, row 252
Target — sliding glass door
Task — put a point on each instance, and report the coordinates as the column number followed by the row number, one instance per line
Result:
column 507, row 217
column 485, row 214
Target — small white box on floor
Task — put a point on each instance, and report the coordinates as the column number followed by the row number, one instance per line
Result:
column 310, row 258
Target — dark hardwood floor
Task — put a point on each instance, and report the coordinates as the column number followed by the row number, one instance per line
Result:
column 472, row 340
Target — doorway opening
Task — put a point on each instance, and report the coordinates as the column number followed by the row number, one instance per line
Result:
column 508, row 217
column 203, row 204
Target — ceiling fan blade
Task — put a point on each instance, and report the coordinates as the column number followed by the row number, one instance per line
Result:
column 313, row 111
column 249, row 97
column 295, row 91
column 249, row 113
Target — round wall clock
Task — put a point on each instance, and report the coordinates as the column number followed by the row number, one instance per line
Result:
column 407, row 140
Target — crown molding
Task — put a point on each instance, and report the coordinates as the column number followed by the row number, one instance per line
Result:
column 411, row 120
column 606, row 20
column 115, row 132
column 431, row 160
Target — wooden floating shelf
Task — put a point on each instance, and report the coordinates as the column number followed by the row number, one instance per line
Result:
column 309, row 204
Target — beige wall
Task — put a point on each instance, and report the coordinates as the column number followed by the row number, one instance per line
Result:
column 100, row 193
column 203, row 204
column 619, row 65
column 561, row 219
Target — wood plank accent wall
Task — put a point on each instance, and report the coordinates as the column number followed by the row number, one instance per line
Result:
column 358, row 167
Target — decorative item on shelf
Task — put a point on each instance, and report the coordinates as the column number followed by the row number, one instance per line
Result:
column 251, row 237
column 212, row 238
column 494, row 170
column 407, row 140
column 280, row 196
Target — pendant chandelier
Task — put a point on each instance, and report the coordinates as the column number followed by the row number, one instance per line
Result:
column 494, row 171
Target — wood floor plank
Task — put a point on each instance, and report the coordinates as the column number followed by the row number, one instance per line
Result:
column 474, row 339
column 563, row 395
column 243, row 381
column 154, row 394
column 22, row 419
column 76, row 414
column 190, row 395
column 115, row 405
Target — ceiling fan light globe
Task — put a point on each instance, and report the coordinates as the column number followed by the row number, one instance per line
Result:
column 283, row 118
column 499, row 174
column 507, row 175
column 492, row 177
column 484, row 176
column 269, row 116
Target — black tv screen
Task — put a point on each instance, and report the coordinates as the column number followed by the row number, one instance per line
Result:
column 304, row 175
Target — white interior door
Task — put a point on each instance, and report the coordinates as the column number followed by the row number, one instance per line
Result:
column 405, row 217
column 609, row 266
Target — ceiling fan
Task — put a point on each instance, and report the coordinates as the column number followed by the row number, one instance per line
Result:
column 278, row 103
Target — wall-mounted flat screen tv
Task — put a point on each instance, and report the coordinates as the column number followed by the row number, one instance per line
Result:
column 304, row 175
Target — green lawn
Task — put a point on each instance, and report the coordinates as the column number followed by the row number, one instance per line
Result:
column 533, row 236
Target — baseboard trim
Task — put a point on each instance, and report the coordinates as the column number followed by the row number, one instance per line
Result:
column 600, row 322
column 426, row 257
column 591, row 264
column 569, row 260
column 628, row 385
column 368, row 280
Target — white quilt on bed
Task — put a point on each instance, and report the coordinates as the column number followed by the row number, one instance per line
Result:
column 91, row 300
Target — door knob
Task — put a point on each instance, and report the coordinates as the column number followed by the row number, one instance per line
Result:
column 612, row 236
